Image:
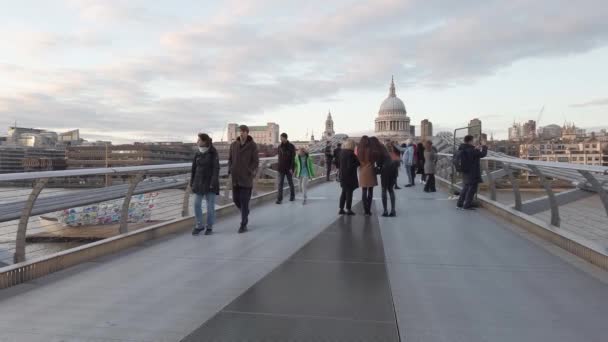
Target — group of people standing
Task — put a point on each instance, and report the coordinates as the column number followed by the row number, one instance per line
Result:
column 358, row 166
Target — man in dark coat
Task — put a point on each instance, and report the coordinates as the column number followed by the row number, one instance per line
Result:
column 337, row 160
column 204, row 182
column 287, row 155
column 471, row 175
column 243, row 162
column 328, row 158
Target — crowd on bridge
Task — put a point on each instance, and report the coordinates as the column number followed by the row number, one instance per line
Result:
column 357, row 166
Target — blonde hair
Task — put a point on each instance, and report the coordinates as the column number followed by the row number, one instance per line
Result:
column 349, row 145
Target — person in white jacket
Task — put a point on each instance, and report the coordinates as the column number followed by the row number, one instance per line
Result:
column 409, row 161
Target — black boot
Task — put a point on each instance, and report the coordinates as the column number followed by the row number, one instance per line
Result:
column 385, row 213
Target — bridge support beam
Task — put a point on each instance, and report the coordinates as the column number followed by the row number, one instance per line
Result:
column 515, row 184
column 597, row 186
column 555, row 220
column 25, row 217
column 124, row 214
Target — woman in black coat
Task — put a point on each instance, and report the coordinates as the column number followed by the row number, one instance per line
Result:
column 348, row 176
column 388, row 174
column 204, row 182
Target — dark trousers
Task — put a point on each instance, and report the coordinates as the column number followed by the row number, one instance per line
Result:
column 388, row 191
column 367, row 197
column 413, row 172
column 292, row 193
column 337, row 173
column 466, row 195
column 430, row 183
column 346, row 198
column 328, row 162
column 241, row 197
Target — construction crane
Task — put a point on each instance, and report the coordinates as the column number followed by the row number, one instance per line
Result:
column 540, row 115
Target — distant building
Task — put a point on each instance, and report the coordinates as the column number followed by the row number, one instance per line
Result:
column 515, row 132
column 412, row 131
column 549, row 132
column 587, row 152
column 475, row 128
column 329, row 132
column 529, row 130
column 572, row 133
column 24, row 159
column 392, row 121
column 33, row 137
column 426, row 129
column 265, row 135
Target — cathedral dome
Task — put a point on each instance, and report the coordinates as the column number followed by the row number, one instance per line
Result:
column 392, row 105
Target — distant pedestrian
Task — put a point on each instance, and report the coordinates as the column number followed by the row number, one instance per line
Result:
column 388, row 174
column 420, row 161
column 409, row 163
column 304, row 171
column 204, row 182
column 286, row 156
column 348, row 176
column 367, row 173
column 243, row 162
column 329, row 157
column 470, row 159
column 337, row 160
column 430, row 162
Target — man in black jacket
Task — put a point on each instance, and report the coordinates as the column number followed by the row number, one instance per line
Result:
column 337, row 151
column 328, row 158
column 471, row 175
column 287, row 155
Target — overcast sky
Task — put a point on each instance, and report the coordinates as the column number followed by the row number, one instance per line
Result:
column 165, row 70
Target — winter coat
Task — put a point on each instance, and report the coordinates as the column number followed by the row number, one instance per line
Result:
column 287, row 153
column 309, row 165
column 408, row 156
column 205, row 174
column 430, row 161
column 348, row 170
column 388, row 171
column 471, row 159
column 420, row 158
column 243, row 162
column 367, row 175
column 337, row 156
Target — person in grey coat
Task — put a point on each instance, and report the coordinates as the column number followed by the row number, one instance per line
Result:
column 430, row 162
column 409, row 161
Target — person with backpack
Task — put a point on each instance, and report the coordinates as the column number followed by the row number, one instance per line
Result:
column 286, row 156
column 304, row 171
column 243, row 163
column 468, row 161
column 204, row 182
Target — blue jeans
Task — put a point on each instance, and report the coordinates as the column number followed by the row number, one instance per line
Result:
column 198, row 209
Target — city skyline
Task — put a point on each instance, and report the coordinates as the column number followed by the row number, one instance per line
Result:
column 145, row 72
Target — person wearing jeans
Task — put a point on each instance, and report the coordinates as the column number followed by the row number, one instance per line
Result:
column 243, row 163
column 204, row 182
column 286, row 156
column 304, row 171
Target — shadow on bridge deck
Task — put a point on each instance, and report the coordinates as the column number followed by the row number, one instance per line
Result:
column 303, row 273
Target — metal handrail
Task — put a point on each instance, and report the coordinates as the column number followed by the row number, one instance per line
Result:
column 6, row 177
column 555, row 165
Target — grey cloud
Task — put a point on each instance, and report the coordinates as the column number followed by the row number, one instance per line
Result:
column 593, row 103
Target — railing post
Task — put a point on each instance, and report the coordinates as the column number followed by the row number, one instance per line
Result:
column 124, row 215
column 597, row 186
column 186, row 203
column 555, row 220
column 515, row 185
column 491, row 183
column 19, row 255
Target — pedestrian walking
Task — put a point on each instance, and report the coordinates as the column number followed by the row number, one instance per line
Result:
column 348, row 176
column 304, row 171
column 204, row 183
column 430, row 162
column 409, row 163
column 470, row 159
column 243, row 162
column 286, row 156
column 329, row 157
column 367, row 173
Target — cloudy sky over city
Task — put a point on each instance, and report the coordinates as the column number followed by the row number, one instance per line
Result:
column 165, row 70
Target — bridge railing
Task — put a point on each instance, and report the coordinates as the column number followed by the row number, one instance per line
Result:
column 42, row 213
column 560, row 185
